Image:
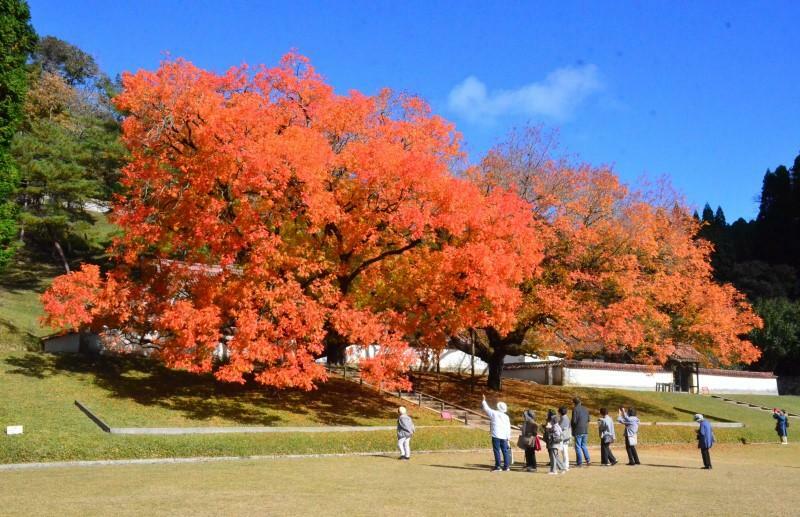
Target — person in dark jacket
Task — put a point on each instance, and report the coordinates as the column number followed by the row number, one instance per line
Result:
column 530, row 430
column 550, row 413
column 782, row 422
column 580, row 430
column 705, row 439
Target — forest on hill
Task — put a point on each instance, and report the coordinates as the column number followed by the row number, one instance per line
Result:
column 761, row 257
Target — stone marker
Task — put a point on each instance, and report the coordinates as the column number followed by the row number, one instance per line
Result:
column 14, row 429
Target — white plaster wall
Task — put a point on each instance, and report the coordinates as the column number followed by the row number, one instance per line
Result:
column 724, row 384
column 615, row 378
column 449, row 359
column 456, row 360
column 530, row 374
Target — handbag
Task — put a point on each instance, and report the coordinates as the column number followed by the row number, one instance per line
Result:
column 537, row 444
column 633, row 440
column 523, row 442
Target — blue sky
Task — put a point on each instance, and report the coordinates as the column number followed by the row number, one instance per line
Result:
column 707, row 93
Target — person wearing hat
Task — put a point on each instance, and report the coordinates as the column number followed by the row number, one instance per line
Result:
column 500, row 428
column 705, row 439
column 405, row 428
column 529, row 439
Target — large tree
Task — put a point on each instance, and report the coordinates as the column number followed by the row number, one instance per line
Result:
column 622, row 273
column 17, row 40
column 262, row 205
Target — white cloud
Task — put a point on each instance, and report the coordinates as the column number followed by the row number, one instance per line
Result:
column 556, row 97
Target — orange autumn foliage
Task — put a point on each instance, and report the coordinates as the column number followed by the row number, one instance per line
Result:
column 623, row 274
column 262, row 206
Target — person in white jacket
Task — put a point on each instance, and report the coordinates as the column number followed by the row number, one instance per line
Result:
column 500, row 428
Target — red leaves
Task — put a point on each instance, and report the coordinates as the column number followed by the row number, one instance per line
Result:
column 266, row 213
column 72, row 300
column 623, row 272
column 269, row 213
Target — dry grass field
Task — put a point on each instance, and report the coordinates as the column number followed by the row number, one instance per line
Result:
column 746, row 480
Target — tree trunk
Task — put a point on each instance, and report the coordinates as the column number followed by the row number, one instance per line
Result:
column 61, row 255
column 335, row 348
column 495, row 370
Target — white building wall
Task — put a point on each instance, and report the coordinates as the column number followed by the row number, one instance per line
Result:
column 615, row 378
column 725, row 384
column 68, row 343
column 537, row 375
column 450, row 360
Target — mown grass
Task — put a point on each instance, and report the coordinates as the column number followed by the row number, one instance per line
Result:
column 651, row 406
column 21, row 284
column 137, row 392
column 38, row 392
column 751, row 480
column 32, row 271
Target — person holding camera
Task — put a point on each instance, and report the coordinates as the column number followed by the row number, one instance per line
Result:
column 629, row 419
column 781, row 424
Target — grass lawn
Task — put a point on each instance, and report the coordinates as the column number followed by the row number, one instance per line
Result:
column 746, row 480
column 21, row 284
column 651, row 406
column 38, row 391
column 790, row 403
column 30, row 273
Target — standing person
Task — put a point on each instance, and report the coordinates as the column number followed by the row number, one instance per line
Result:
column 566, row 434
column 631, row 422
column 782, row 422
column 405, row 428
column 552, row 437
column 607, row 437
column 705, row 439
column 550, row 413
column 500, row 428
column 580, row 429
column 529, row 438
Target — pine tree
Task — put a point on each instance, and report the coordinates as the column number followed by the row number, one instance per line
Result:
column 719, row 218
column 708, row 214
column 775, row 216
column 68, row 149
column 17, row 40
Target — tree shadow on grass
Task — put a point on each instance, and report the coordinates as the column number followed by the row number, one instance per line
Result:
column 669, row 466
column 706, row 415
column 201, row 397
column 31, row 365
column 472, row 466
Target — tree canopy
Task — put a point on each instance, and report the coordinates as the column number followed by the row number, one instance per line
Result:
column 263, row 211
column 623, row 275
column 265, row 204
